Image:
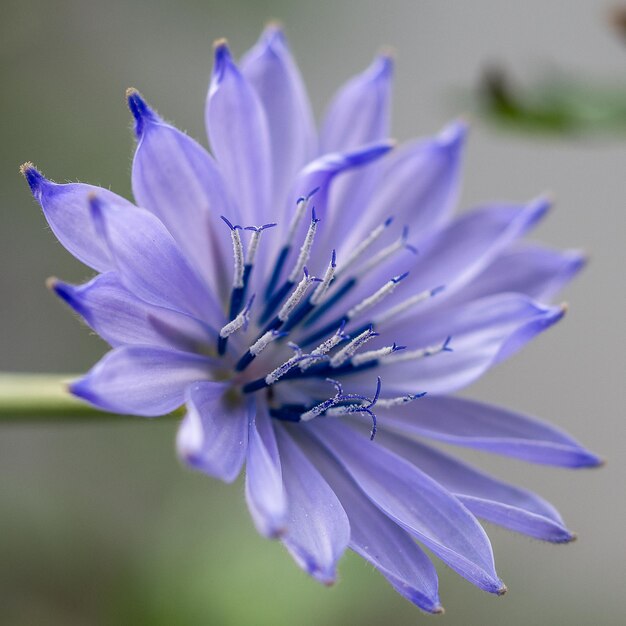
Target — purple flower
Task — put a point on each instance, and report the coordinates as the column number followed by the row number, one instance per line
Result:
column 299, row 292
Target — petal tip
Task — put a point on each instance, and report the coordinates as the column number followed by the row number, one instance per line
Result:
column 221, row 56
column 437, row 610
column 52, row 283
column 453, row 136
column 33, row 176
column 501, row 590
column 139, row 109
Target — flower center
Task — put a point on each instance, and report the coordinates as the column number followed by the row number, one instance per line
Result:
column 301, row 308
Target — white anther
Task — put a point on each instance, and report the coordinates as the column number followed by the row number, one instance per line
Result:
column 234, row 325
column 296, row 296
column 407, row 304
column 345, row 353
column 382, row 255
column 263, row 341
column 372, row 355
column 305, row 250
column 301, row 206
column 367, row 303
column 359, row 249
column 387, row 403
column 324, row 348
column 420, row 353
column 238, row 257
column 322, row 288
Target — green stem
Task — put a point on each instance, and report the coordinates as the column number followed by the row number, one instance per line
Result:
column 45, row 398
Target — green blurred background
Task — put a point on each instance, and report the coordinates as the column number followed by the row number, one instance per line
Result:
column 99, row 523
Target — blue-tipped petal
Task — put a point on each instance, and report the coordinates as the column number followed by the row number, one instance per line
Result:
column 272, row 71
column 142, row 380
column 538, row 272
column 421, row 181
column 175, row 178
column 472, row 424
column 213, row 436
column 66, row 207
column 415, row 502
column 378, row 539
column 139, row 243
column 483, row 334
column 318, row 531
column 142, row 113
column 493, row 500
column 120, row 318
column 360, row 111
column 264, row 484
column 239, row 135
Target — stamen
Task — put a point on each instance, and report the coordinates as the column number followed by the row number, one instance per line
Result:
column 367, row 303
column 281, row 370
column 322, row 288
column 257, row 347
column 346, row 353
column 305, row 250
column 364, row 245
column 301, row 207
column 387, row 403
column 387, row 289
column 294, row 299
column 382, row 255
column 237, row 252
column 407, row 304
column 254, row 241
column 373, row 355
column 420, row 353
column 241, row 320
column 311, row 303
column 327, row 346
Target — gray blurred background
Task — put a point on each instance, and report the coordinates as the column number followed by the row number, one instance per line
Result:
column 99, row 524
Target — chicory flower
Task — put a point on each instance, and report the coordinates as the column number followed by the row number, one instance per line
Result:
column 300, row 292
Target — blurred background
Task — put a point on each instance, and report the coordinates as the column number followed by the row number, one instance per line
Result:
column 99, row 523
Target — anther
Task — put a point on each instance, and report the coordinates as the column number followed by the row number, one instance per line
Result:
column 281, row 370
column 241, row 320
column 420, row 353
column 360, row 248
column 257, row 347
column 407, row 304
column 346, row 353
column 374, row 355
column 305, row 250
column 237, row 252
column 326, row 346
column 301, row 207
column 367, row 303
column 387, row 403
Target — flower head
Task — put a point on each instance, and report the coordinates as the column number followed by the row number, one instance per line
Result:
column 300, row 292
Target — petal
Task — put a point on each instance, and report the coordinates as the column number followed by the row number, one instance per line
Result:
column 264, row 484
column 318, row 530
column 66, row 208
column 213, row 436
column 466, row 247
column 175, row 178
column 414, row 501
column 272, row 71
column 419, row 185
column 318, row 177
column 493, row 500
column 533, row 270
column 360, row 111
column 239, row 136
column 151, row 265
column 142, row 380
column 379, row 540
column 121, row 318
column 485, row 427
column 483, row 333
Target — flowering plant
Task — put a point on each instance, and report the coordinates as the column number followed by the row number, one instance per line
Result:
column 311, row 300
